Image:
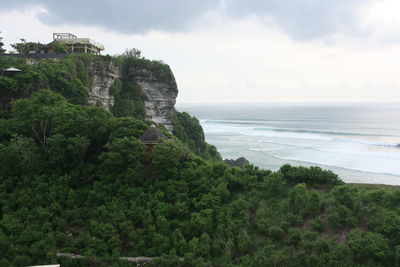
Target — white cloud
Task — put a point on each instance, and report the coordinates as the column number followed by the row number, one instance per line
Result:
column 383, row 20
column 223, row 59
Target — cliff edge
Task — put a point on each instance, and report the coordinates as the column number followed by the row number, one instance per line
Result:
column 160, row 96
column 134, row 87
column 126, row 86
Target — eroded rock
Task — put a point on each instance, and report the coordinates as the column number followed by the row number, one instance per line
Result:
column 240, row 162
column 102, row 76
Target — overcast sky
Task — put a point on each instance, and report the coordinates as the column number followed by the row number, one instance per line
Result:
column 238, row 50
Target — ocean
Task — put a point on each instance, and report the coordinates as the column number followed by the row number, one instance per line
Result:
column 359, row 142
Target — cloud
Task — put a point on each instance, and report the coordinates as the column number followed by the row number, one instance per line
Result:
column 242, row 61
column 300, row 19
column 124, row 16
column 305, row 19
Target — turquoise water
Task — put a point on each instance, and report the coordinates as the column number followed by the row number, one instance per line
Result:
column 357, row 141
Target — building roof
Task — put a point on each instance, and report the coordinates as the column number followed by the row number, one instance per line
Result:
column 63, row 35
column 152, row 136
column 12, row 69
column 71, row 39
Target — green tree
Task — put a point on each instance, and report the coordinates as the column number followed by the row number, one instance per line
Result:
column 321, row 246
column 294, row 236
column 60, row 48
column 168, row 157
column 276, row 233
column 368, row 246
column 243, row 242
column 123, row 153
column 299, row 199
column 133, row 52
column 317, row 224
column 397, row 255
column 189, row 131
column 25, row 47
column 2, row 50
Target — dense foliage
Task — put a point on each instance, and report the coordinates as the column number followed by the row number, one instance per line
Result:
column 68, row 77
column 188, row 130
column 160, row 71
column 76, row 179
column 2, row 50
column 60, row 48
column 25, row 47
column 71, row 77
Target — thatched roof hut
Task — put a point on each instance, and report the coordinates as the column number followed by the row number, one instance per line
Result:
column 11, row 69
column 152, row 136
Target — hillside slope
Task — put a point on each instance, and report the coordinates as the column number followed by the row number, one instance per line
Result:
column 75, row 179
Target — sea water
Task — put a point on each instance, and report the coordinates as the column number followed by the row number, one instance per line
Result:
column 360, row 142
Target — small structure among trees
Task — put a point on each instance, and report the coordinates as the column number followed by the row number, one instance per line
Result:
column 152, row 137
column 77, row 45
column 62, row 43
column 10, row 71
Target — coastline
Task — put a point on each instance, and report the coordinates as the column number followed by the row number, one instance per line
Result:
column 348, row 176
column 358, row 147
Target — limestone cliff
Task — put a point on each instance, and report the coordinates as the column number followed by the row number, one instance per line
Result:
column 156, row 82
column 160, row 96
column 103, row 76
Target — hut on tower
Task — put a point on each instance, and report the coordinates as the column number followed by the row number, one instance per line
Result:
column 151, row 137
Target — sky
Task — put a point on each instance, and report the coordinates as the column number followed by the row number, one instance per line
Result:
column 238, row 50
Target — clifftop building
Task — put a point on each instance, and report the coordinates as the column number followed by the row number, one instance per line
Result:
column 78, row 45
column 74, row 44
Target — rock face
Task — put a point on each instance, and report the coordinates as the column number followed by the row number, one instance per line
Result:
column 240, row 162
column 102, row 76
column 160, row 96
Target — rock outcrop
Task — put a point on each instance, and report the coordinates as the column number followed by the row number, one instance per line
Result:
column 240, row 162
column 102, row 76
column 160, row 96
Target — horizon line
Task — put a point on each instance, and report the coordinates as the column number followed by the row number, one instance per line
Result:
column 293, row 102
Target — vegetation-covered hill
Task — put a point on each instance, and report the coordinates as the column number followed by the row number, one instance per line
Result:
column 76, row 179
column 72, row 180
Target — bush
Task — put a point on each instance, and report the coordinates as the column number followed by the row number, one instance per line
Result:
column 189, row 131
column 310, row 235
column 60, row 48
column 317, row 225
column 276, row 233
column 294, row 236
column 368, row 246
column 314, row 176
column 321, row 246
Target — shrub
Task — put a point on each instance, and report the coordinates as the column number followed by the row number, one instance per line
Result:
column 276, row 233
column 294, row 236
column 314, row 176
column 368, row 246
column 60, row 48
column 317, row 225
